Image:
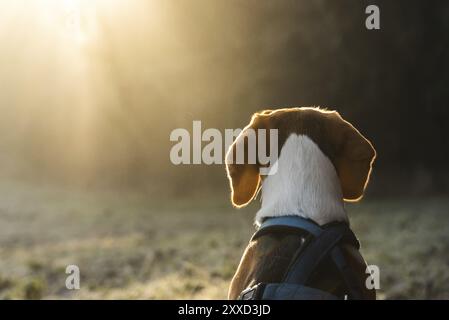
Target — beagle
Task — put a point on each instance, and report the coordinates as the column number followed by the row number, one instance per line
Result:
column 323, row 162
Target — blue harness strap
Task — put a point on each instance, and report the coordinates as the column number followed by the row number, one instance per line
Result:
column 289, row 291
column 313, row 254
column 325, row 242
column 290, row 222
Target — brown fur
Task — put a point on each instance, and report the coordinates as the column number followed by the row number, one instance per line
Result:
column 266, row 259
column 350, row 152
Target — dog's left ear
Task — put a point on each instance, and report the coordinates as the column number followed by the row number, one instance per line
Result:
column 353, row 159
column 243, row 174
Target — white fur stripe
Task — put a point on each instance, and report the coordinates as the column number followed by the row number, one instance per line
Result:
column 306, row 184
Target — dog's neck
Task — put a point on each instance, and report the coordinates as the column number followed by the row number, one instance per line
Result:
column 305, row 184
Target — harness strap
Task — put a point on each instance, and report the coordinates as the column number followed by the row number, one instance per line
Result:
column 284, row 291
column 290, row 291
column 294, row 222
column 314, row 253
column 345, row 271
column 324, row 242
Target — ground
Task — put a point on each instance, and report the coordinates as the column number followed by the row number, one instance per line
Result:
column 131, row 245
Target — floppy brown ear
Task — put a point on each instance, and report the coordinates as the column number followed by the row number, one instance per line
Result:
column 244, row 177
column 354, row 159
column 244, row 180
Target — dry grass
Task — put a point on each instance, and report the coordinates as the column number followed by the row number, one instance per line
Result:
column 134, row 246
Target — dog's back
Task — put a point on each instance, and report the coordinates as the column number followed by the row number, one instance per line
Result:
column 267, row 259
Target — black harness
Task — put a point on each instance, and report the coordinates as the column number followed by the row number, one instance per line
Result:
column 324, row 241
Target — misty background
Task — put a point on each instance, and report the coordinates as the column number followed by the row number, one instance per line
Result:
column 90, row 91
column 90, row 96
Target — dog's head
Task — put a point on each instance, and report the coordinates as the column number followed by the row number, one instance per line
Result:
column 350, row 152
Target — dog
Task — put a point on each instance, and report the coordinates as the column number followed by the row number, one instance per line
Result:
column 323, row 162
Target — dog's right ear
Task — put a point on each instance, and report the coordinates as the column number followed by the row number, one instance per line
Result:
column 354, row 157
column 241, row 166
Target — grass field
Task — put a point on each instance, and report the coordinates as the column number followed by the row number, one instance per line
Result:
column 132, row 245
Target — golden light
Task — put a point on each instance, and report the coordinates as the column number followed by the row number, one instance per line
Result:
column 74, row 19
column 51, row 82
column 69, row 70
